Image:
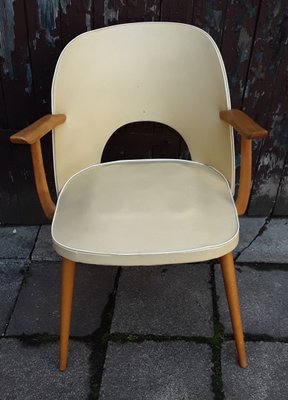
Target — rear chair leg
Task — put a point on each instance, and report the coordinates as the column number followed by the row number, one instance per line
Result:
column 229, row 277
column 68, row 274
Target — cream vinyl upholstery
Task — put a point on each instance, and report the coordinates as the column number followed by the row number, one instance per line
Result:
column 163, row 72
column 142, row 212
column 145, row 212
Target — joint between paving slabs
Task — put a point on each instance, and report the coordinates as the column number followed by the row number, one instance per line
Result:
column 259, row 233
column 217, row 340
column 100, row 340
column 35, row 241
column 254, row 337
column 102, row 336
column 261, row 266
column 25, row 273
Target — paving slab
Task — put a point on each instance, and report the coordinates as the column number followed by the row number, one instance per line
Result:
column 17, row 242
column 43, row 249
column 37, row 308
column 167, row 300
column 271, row 246
column 30, row 372
column 249, row 229
column 11, row 276
column 263, row 299
column 157, row 370
column 266, row 376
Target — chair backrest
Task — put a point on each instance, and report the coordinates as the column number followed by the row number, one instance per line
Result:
column 152, row 71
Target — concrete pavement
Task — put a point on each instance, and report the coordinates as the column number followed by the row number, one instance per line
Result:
column 157, row 333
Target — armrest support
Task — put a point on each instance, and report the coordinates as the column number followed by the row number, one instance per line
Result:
column 46, row 201
column 38, row 129
column 248, row 129
column 32, row 135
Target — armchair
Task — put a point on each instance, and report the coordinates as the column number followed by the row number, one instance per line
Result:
column 143, row 212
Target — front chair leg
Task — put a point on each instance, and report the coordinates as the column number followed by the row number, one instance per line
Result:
column 68, row 273
column 229, row 277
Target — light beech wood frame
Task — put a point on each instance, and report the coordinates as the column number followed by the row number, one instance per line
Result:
column 229, row 278
column 248, row 130
column 241, row 122
column 68, row 277
column 31, row 135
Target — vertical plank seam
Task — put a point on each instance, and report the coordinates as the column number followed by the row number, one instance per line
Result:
column 93, row 14
column 160, row 10
column 251, row 51
column 29, row 52
column 193, row 11
column 279, row 186
column 4, row 100
column 244, row 93
column 223, row 26
column 60, row 23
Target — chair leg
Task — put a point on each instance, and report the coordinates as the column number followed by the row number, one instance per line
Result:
column 68, row 274
column 229, row 277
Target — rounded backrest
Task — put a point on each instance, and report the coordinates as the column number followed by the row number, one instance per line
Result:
column 152, row 71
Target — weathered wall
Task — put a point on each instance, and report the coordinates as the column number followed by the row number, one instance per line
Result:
column 252, row 36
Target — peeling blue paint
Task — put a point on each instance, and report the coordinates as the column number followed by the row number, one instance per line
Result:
column 251, row 10
column 110, row 14
column 28, row 88
column 213, row 18
column 48, row 12
column 88, row 17
column 7, row 36
column 244, row 43
column 152, row 10
column 64, row 4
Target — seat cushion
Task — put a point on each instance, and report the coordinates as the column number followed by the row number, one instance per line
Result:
column 145, row 212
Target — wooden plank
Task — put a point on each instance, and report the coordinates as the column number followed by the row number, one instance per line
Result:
column 98, row 13
column 16, row 68
column 166, row 142
column 237, row 44
column 115, row 146
column 19, row 77
column 210, row 16
column 281, row 206
column 138, row 139
column 17, row 189
column 236, row 48
column 45, row 46
column 180, row 11
column 29, row 205
column 3, row 111
column 76, row 18
column 9, row 207
column 266, row 100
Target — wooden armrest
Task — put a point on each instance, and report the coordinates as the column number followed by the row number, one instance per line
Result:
column 243, row 124
column 248, row 129
column 32, row 135
column 38, row 129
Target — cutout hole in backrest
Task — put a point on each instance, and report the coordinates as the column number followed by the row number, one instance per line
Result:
column 145, row 140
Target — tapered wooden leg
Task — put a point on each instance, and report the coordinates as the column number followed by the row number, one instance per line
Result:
column 68, row 273
column 229, row 277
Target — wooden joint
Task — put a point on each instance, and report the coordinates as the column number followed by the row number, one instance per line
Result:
column 34, row 132
column 243, row 124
